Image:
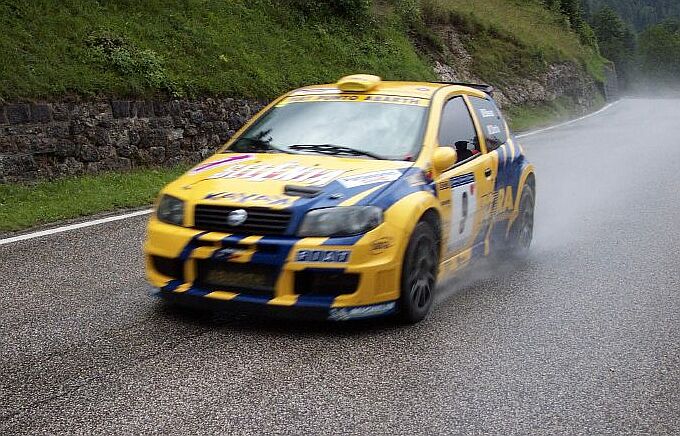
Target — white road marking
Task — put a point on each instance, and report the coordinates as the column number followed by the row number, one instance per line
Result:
column 110, row 219
column 556, row 126
column 62, row 229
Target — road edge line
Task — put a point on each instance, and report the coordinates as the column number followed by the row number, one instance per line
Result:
column 124, row 216
column 567, row 123
column 70, row 227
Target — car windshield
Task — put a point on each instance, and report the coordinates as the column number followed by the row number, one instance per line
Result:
column 349, row 128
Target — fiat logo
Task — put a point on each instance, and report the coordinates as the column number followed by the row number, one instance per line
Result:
column 237, row 217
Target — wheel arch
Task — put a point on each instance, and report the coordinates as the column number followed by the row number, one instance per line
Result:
column 433, row 217
column 414, row 208
column 528, row 178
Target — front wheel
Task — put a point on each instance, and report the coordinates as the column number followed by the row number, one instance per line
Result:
column 419, row 274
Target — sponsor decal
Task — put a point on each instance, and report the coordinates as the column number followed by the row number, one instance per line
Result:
column 392, row 99
column 289, row 172
column 309, row 91
column 220, row 163
column 502, row 201
column 322, row 256
column 370, row 178
column 380, row 245
column 493, row 129
column 346, row 313
column 240, row 197
column 454, row 182
column 226, row 254
column 486, row 113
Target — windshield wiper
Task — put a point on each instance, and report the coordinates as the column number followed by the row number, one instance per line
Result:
column 332, row 150
column 255, row 145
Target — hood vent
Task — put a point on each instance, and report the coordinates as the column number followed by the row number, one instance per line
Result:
column 302, row 191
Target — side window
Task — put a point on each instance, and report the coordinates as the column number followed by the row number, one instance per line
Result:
column 456, row 129
column 491, row 121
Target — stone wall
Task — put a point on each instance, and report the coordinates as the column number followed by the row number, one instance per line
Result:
column 43, row 140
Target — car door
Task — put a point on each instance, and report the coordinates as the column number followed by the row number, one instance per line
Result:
column 504, row 154
column 464, row 190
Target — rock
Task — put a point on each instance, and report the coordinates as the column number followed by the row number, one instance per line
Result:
column 18, row 113
column 13, row 166
column 41, row 113
column 196, row 117
column 60, row 112
column 89, row 153
column 120, row 109
column 70, row 167
column 157, row 154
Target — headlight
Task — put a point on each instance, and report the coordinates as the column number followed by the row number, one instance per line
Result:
column 171, row 210
column 340, row 221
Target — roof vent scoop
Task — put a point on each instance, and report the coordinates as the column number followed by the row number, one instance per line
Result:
column 302, row 191
column 358, row 83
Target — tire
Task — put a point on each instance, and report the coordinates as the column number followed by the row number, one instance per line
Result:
column 522, row 231
column 419, row 274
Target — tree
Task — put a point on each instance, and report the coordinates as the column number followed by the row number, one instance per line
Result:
column 616, row 41
column 660, row 52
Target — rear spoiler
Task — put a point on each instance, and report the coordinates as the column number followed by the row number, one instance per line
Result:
column 480, row 87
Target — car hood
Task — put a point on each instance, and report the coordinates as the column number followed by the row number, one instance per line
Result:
column 283, row 180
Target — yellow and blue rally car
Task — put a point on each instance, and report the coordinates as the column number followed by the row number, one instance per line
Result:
column 345, row 201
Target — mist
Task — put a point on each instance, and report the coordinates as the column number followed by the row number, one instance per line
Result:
column 599, row 182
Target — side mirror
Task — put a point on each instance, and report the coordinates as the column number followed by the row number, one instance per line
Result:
column 444, row 158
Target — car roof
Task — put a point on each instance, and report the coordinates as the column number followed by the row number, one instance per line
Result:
column 402, row 89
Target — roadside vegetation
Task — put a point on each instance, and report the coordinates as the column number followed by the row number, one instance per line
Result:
column 23, row 206
column 256, row 49
column 511, row 39
column 260, row 48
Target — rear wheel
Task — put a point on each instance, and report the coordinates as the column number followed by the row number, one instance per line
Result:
column 522, row 231
column 419, row 274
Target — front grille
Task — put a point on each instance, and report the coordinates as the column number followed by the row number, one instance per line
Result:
column 248, row 278
column 173, row 268
column 325, row 283
column 260, row 221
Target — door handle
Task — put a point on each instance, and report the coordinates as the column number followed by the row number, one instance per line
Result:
column 488, row 172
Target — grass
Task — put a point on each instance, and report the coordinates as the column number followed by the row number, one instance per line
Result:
column 526, row 117
column 28, row 205
column 23, row 206
column 249, row 48
column 509, row 39
column 257, row 48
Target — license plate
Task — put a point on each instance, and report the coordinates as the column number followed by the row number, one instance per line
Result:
column 236, row 278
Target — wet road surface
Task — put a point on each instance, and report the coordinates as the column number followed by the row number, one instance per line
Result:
column 583, row 338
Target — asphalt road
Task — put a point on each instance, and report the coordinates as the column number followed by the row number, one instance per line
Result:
column 584, row 338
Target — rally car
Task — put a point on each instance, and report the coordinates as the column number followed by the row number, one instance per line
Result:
column 345, row 201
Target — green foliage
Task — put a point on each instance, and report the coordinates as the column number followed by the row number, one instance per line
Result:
column 660, row 52
column 616, row 41
column 353, row 9
column 249, row 48
column 639, row 13
column 143, row 68
column 23, row 206
column 508, row 39
column 259, row 48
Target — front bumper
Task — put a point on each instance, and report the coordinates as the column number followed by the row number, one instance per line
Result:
column 247, row 305
column 374, row 259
